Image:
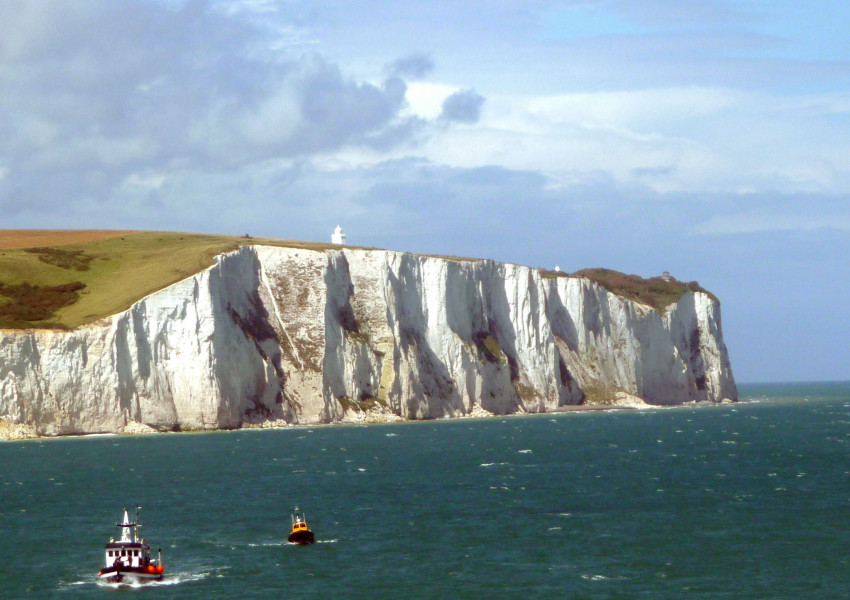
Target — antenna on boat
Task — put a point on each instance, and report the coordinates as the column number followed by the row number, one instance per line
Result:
column 136, row 525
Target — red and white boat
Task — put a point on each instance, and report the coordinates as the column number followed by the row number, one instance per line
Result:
column 128, row 560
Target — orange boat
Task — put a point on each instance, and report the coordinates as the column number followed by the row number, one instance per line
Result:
column 300, row 533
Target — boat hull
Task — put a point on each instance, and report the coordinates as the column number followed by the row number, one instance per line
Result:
column 128, row 575
column 302, row 537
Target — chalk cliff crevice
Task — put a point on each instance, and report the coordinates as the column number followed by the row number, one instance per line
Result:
column 273, row 334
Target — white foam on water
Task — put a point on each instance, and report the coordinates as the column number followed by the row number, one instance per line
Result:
column 174, row 579
column 274, row 544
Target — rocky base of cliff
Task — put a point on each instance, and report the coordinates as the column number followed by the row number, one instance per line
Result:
column 16, row 431
column 136, row 428
column 267, row 424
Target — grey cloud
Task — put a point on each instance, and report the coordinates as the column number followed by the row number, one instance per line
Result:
column 463, row 107
column 91, row 92
column 498, row 178
column 662, row 171
column 414, row 66
column 424, row 207
column 408, row 131
column 337, row 110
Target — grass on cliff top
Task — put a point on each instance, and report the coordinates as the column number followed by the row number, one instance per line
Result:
column 654, row 292
column 107, row 275
column 67, row 278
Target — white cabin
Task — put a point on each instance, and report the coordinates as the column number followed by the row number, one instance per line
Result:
column 129, row 551
column 132, row 554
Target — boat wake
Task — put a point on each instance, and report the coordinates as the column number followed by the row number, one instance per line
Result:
column 173, row 579
column 273, row 544
column 598, row 577
column 283, row 543
column 296, row 544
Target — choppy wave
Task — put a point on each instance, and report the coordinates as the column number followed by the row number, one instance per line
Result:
column 595, row 577
column 611, row 504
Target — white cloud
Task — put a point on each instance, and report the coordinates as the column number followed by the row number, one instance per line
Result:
column 148, row 180
column 426, row 99
column 635, row 109
column 694, row 140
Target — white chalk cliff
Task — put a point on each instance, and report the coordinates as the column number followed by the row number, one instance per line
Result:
column 302, row 336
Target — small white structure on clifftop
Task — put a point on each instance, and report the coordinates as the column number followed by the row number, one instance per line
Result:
column 338, row 237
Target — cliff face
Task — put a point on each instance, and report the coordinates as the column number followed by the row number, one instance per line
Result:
column 313, row 337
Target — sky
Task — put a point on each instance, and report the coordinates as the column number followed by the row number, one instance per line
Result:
column 707, row 139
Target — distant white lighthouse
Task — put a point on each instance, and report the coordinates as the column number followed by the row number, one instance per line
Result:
column 338, row 236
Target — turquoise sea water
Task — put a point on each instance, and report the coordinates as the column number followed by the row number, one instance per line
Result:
column 744, row 501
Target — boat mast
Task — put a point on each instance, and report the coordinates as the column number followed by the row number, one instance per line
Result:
column 136, row 535
column 125, row 528
column 130, row 531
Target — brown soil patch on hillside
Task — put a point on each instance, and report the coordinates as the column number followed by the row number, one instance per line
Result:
column 29, row 238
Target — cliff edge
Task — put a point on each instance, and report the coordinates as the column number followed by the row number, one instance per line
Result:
column 291, row 335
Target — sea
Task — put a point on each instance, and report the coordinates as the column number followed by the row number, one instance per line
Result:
column 737, row 501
